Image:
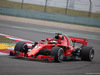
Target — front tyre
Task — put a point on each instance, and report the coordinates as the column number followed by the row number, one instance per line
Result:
column 87, row 53
column 21, row 47
column 58, row 53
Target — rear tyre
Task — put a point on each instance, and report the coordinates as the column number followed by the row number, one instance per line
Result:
column 21, row 47
column 58, row 54
column 87, row 53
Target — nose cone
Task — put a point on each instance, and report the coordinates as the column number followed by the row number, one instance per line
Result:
column 32, row 52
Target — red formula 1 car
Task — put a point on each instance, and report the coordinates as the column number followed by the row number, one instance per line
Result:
column 59, row 48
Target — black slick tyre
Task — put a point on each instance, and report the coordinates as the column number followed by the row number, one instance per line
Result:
column 87, row 53
column 58, row 54
column 21, row 47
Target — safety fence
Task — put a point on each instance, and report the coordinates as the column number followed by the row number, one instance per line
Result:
column 88, row 8
column 50, row 16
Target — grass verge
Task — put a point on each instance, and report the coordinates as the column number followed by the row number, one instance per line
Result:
column 56, row 10
column 6, row 40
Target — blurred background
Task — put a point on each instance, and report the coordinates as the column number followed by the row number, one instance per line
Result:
column 87, row 8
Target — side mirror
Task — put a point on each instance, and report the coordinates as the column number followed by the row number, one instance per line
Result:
column 43, row 40
column 47, row 39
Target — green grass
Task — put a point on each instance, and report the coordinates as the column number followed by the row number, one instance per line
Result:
column 35, row 7
column 6, row 40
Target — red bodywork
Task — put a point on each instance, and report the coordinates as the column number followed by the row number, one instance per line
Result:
column 64, row 41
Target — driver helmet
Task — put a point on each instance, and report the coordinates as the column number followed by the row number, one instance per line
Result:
column 53, row 42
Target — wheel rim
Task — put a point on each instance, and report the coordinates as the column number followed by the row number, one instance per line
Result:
column 91, row 55
column 60, row 55
column 24, row 46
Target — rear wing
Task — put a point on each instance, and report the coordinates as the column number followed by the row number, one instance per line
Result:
column 79, row 40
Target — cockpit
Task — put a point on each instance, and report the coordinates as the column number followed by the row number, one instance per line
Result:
column 52, row 42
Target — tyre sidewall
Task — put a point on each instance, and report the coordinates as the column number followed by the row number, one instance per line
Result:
column 86, row 53
column 55, row 51
column 20, row 47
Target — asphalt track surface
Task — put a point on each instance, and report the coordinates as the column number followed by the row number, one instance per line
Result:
column 20, row 66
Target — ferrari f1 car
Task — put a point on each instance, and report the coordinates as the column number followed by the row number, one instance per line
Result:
column 58, row 48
